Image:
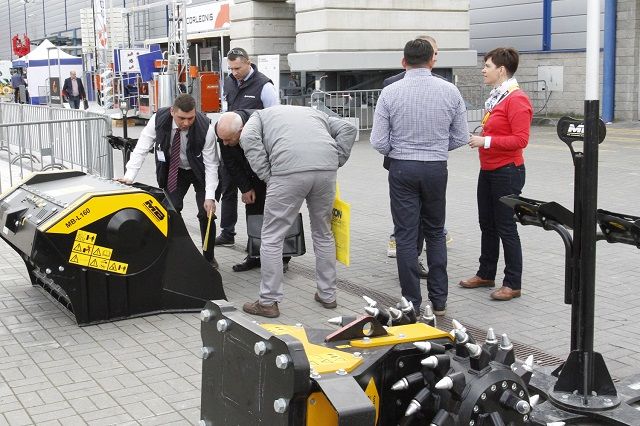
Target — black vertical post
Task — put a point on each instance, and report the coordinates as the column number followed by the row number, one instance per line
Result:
column 574, row 296
column 124, row 126
column 588, row 240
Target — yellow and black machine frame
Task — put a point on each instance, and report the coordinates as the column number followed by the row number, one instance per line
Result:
column 363, row 374
column 106, row 250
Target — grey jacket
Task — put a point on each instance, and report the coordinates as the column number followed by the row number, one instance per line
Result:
column 286, row 139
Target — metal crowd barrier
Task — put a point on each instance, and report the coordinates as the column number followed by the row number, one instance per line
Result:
column 475, row 95
column 359, row 105
column 35, row 138
column 355, row 105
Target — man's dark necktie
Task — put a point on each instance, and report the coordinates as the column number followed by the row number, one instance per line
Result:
column 174, row 163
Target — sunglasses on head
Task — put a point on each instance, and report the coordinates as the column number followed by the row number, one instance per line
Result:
column 237, row 52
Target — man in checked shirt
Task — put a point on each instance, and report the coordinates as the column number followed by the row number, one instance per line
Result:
column 417, row 121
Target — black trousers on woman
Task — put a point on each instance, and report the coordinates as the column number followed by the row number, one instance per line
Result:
column 497, row 224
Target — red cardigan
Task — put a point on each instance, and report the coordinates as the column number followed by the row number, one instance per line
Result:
column 508, row 125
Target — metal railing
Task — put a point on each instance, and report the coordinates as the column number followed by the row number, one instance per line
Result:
column 355, row 105
column 359, row 105
column 35, row 138
column 475, row 95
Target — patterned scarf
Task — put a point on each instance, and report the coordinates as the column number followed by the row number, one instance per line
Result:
column 500, row 92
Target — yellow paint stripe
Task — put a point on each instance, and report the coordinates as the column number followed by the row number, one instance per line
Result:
column 94, row 207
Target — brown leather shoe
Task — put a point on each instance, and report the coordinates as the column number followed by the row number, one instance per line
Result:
column 256, row 308
column 505, row 293
column 476, row 281
column 326, row 305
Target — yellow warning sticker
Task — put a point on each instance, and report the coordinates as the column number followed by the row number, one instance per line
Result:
column 118, row 267
column 96, row 262
column 82, row 248
column 79, row 259
column 102, row 252
column 86, row 237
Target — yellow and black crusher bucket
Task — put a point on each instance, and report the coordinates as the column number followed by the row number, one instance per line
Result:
column 105, row 250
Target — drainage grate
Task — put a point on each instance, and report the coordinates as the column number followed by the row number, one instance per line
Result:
column 521, row 350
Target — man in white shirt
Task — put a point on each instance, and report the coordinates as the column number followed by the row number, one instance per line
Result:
column 185, row 152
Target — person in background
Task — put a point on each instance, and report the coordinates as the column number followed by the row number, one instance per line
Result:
column 417, row 121
column 16, row 81
column 73, row 89
column 186, row 155
column 391, row 247
column 244, row 88
column 505, row 134
column 254, row 191
column 297, row 151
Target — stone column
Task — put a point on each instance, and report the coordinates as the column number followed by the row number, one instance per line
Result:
column 264, row 28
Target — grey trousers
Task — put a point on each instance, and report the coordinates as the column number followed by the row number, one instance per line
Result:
column 284, row 199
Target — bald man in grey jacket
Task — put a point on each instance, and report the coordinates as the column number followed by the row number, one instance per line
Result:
column 297, row 151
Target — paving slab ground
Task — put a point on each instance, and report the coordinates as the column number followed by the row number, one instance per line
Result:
column 146, row 370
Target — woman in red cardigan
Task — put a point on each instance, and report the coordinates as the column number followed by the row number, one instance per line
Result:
column 505, row 135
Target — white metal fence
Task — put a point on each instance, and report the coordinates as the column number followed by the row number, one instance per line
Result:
column 356, row 105
column 359, row 105
column 475, row 95
column 35, row 138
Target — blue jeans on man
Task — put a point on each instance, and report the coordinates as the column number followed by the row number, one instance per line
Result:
column 74, row 101
column 417, row 192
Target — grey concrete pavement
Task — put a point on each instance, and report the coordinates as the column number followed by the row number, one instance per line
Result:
column 146, row 370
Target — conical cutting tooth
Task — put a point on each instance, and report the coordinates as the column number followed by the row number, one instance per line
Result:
column 407, row 381
column 534, row 400
column 428, row 316
column 457, row 325
column 380, row 314
column 491, row 337
column 370, row 301
column 430, row 347
column 341, row 321
column 417, row 402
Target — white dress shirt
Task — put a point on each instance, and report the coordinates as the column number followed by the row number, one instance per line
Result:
column 210, row 154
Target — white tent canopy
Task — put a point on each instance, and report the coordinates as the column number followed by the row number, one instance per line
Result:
column 44, row 62
column 46, row 50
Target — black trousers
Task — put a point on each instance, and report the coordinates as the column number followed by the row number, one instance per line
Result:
column 186, row 178
column 497, row 224
column 227, row 193
column 417, row 190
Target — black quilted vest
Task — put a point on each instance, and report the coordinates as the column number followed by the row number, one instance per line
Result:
column 195, row 142
column 247, row 96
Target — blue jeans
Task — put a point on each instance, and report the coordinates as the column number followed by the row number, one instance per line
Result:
column 74, row 101
column 417, row 190
column 497, row 224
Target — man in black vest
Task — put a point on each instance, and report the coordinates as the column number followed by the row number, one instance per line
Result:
column 244, row 88
column 185, row 150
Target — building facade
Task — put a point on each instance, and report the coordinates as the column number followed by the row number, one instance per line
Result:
column 349, row 44
column 551, row 37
